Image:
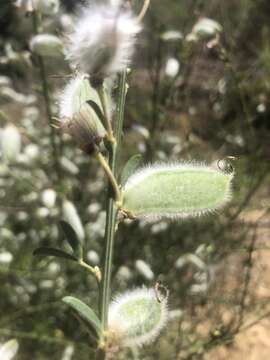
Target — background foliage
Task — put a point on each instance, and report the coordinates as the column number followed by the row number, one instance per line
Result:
column 215, row 107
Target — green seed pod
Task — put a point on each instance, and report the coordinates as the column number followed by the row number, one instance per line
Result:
column 137, row 317
column 46, row 45
column 176, row 191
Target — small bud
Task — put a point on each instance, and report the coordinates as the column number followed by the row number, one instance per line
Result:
column 10, row 143
column 176, row 191
column 46, row 45
column 71, row 216
column 137, row 317
column 103, row 40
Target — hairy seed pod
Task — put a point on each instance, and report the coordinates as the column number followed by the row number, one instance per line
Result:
column 137, row 317
column 176, row 191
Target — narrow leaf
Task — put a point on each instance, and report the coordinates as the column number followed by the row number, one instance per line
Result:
column 130, row 167
column 72, row 239
column 48, row 251
column 84, row 311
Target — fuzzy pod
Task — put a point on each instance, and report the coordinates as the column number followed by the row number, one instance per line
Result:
column 10, row 143
column 137, row 317
column 176, row 191
column 46, row 45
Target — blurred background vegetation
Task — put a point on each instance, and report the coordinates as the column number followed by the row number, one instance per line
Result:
column 216, row 103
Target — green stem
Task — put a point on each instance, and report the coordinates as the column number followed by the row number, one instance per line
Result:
column 111, row 211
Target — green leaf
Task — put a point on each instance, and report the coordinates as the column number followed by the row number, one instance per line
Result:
column 48, row 251
column 72, row 239
column 130, row 167
column 176, row 191
column 85, row 312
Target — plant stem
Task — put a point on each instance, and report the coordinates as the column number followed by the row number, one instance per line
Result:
column 110, row 176
column 93, row 270
column 111, row 211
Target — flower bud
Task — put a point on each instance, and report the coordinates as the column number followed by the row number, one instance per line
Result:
column 137, row 317
column 176, row 191
column 46, row 45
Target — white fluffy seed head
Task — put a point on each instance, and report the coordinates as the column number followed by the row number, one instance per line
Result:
column 137, row 317
column 103, row 40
